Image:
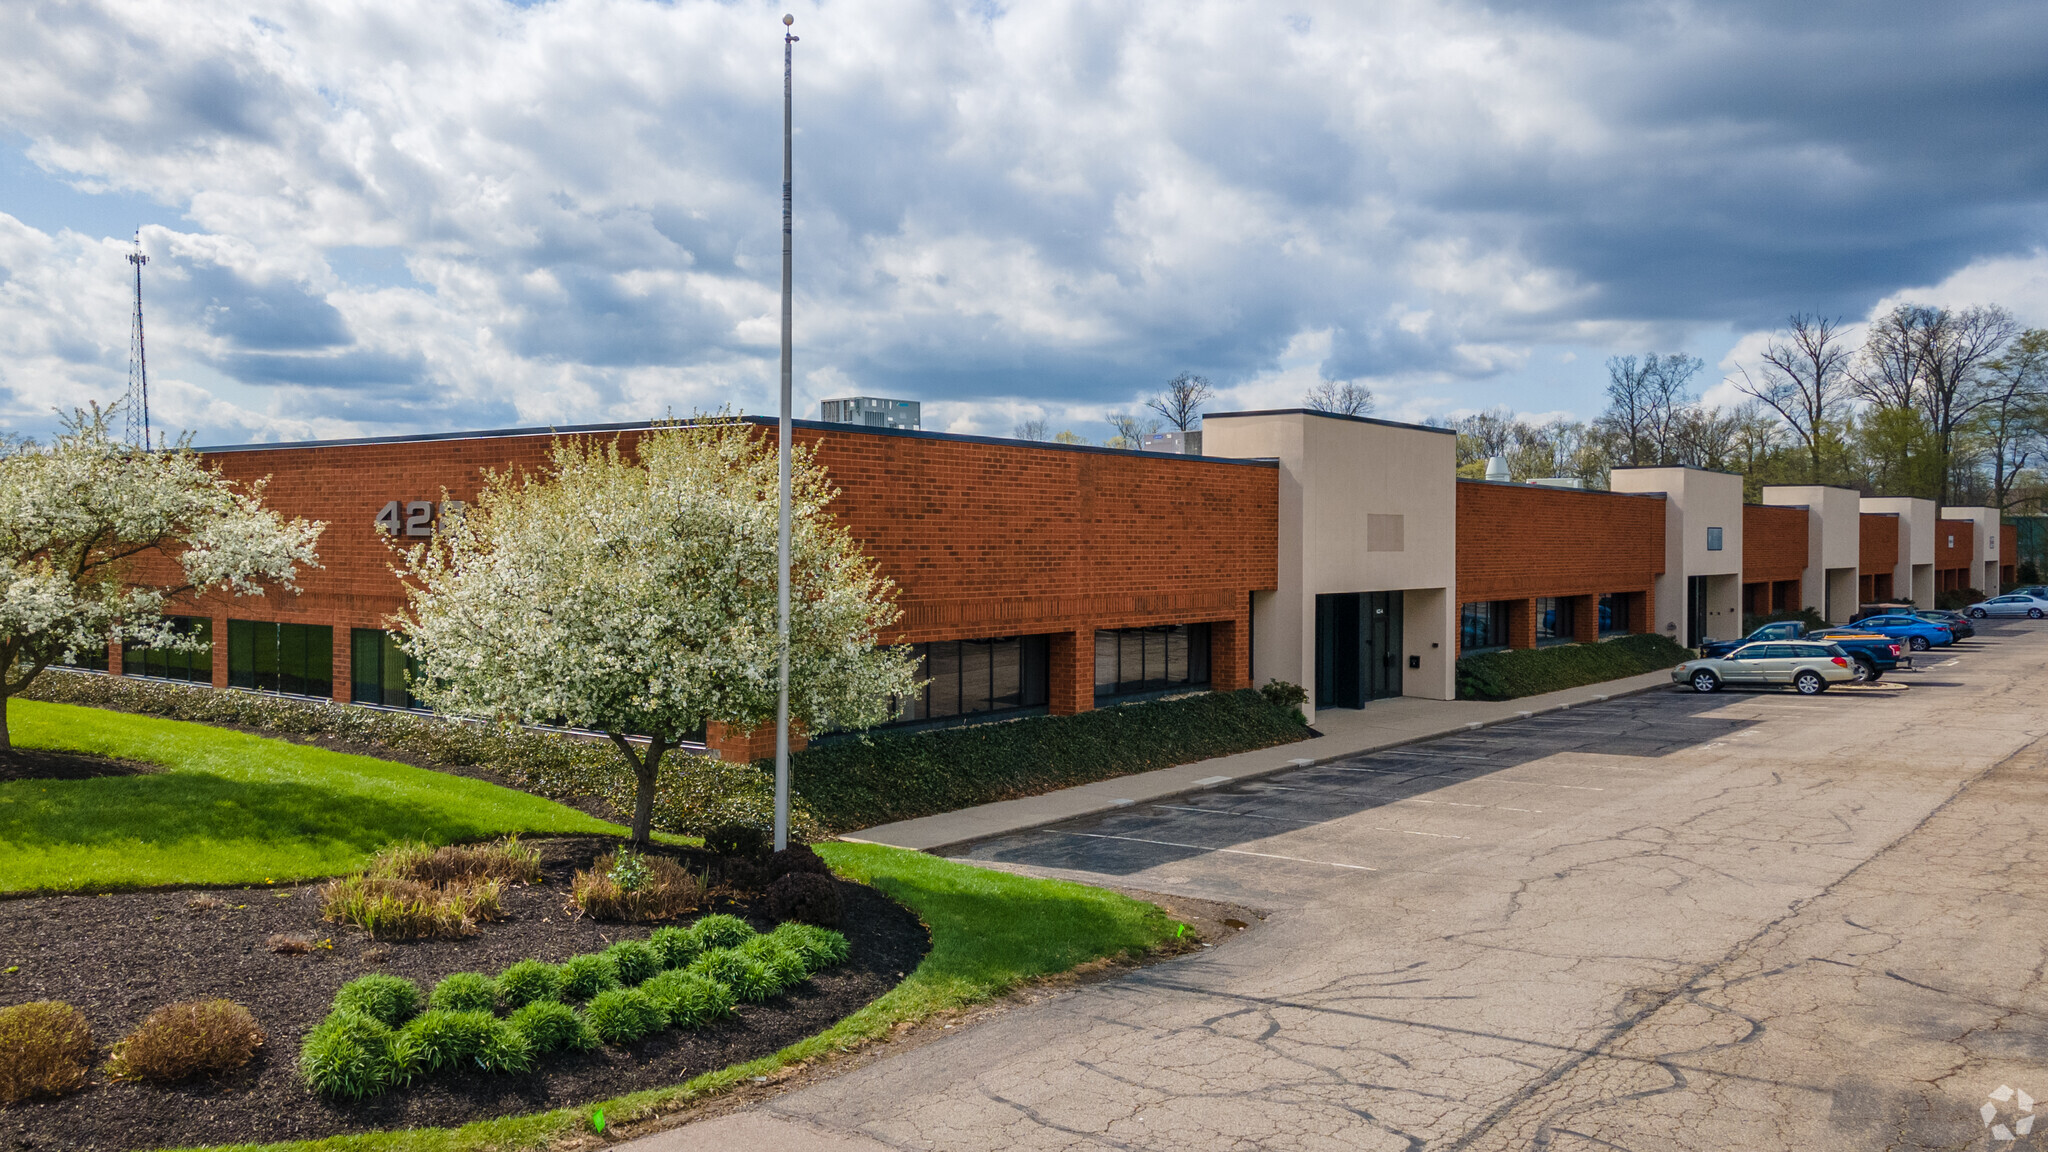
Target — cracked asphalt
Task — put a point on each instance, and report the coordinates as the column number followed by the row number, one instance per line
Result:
column 1740, row 921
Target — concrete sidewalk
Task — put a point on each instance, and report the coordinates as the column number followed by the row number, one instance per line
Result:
column 1345, row 732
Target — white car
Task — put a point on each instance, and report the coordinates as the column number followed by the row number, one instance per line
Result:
column 2011, row 604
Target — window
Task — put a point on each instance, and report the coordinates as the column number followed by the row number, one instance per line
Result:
column 1713, row 539
column 92, row 659
column 1554, row 620
column 971, row 677
column 1613, row 613
column 1482, row 624
column 380, row 671
column 292, row 658
column 1129, row 661
column 174, row 663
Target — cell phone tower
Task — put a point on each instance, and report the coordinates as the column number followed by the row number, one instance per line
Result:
column 138, row 361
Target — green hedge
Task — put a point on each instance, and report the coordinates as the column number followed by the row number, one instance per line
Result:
column 858, row 781
column 1529, row 671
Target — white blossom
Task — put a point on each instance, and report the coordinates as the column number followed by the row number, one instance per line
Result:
column 633, row 592
column 81, row 520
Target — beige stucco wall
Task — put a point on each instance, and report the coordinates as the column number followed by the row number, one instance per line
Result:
column 1914, row 576
column 1694, row 501
column 1336, row 475
column 1834, row 545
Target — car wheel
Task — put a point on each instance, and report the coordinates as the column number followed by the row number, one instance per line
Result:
column 1705, row 682
column 1978, row 614
column 1919, row 643
column 1866, row 671
column 2033, row 613
column 1809, row 684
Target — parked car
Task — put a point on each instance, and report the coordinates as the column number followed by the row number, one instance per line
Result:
column 1958, row 624
column 1808, row 667
column 1918, row 634
column 1874, row 653
column 2012, row 604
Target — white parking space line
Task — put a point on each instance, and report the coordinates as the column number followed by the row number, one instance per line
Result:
column 1291, row 820
column 1456, row 804
column 1231, row 851
column 1472, row 779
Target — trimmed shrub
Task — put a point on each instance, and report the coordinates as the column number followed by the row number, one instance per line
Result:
column 821, row 948
column 808, row 897
column 722, row 930
column 180, row 1041
column 442, row 1039
column 785, row 965
column 796, row 858
column 550, row 1026
column 749, row 840
column 529, row 982
column 585, row 976
column 1957, row 599
column 465, row 992
column 350, row 1056
column 860, row 780
column 748, row 978
column 389, row 1000
column 675, row 947
column 45, row 1050
column 636, row 889
column 634, row 961
column 624, row 1015
column 690, row 999
column 504, row 860
column 1528, row 671
column 1287, row 697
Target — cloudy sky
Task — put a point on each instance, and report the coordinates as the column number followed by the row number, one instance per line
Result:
column 380, row 216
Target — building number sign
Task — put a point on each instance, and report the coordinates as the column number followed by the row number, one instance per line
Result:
column 413, row 517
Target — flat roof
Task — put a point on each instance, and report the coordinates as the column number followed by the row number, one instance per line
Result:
column 765, row 421
column 1562, row 488
column 1331, row 416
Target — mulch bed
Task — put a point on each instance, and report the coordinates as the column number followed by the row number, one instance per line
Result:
column 41, row 764
column 119, row 957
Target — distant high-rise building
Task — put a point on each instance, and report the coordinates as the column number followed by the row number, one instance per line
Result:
column 872, row 412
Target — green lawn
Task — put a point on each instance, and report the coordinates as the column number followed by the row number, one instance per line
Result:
column 230, row 808
column 990, row 932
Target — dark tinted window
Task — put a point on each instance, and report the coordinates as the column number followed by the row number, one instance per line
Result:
column 1134, row 660
column 272, row 657
column 971, row 677
column 173, row 663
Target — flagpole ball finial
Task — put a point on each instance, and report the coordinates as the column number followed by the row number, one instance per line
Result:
column 788, row 20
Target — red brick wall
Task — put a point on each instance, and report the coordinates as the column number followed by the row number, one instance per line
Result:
column 1880, row 543
column 983, row 539
column 1773, row 543
column 1964, row 552
column 1521, row 540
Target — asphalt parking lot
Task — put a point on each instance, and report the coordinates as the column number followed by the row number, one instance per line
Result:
column 1744, row 920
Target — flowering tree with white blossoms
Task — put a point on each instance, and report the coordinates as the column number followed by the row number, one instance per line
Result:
column 633, row 593
column 77, row 516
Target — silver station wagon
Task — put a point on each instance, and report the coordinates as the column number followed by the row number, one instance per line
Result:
column 1807, row 666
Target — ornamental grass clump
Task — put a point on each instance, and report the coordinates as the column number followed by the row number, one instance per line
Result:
column 181, row 1041
column 585, row 976
column 454, row 865
column 624, row 1015
column 389, row 1000
column 551, row 1026
column 785, row 965
column 634, row 961
column 45, row 1050
column 748, row 978
column 722, row 930
column 529, row 982
column 821, row 947
column 442, row 1039
column 690, row 999
column 635, row 888
column 351, row 1055
column 465, row 992
column 394, row 909
column 675, row 947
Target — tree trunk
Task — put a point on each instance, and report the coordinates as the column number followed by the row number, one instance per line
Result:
column 645, row 768
column 6, row 737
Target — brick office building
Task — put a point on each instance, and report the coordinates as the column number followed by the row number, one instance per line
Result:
column 1541, row 565
column 1774, row 557
column 1032, row 577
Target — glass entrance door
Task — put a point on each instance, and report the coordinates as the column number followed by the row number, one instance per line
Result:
column 1358, row 648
